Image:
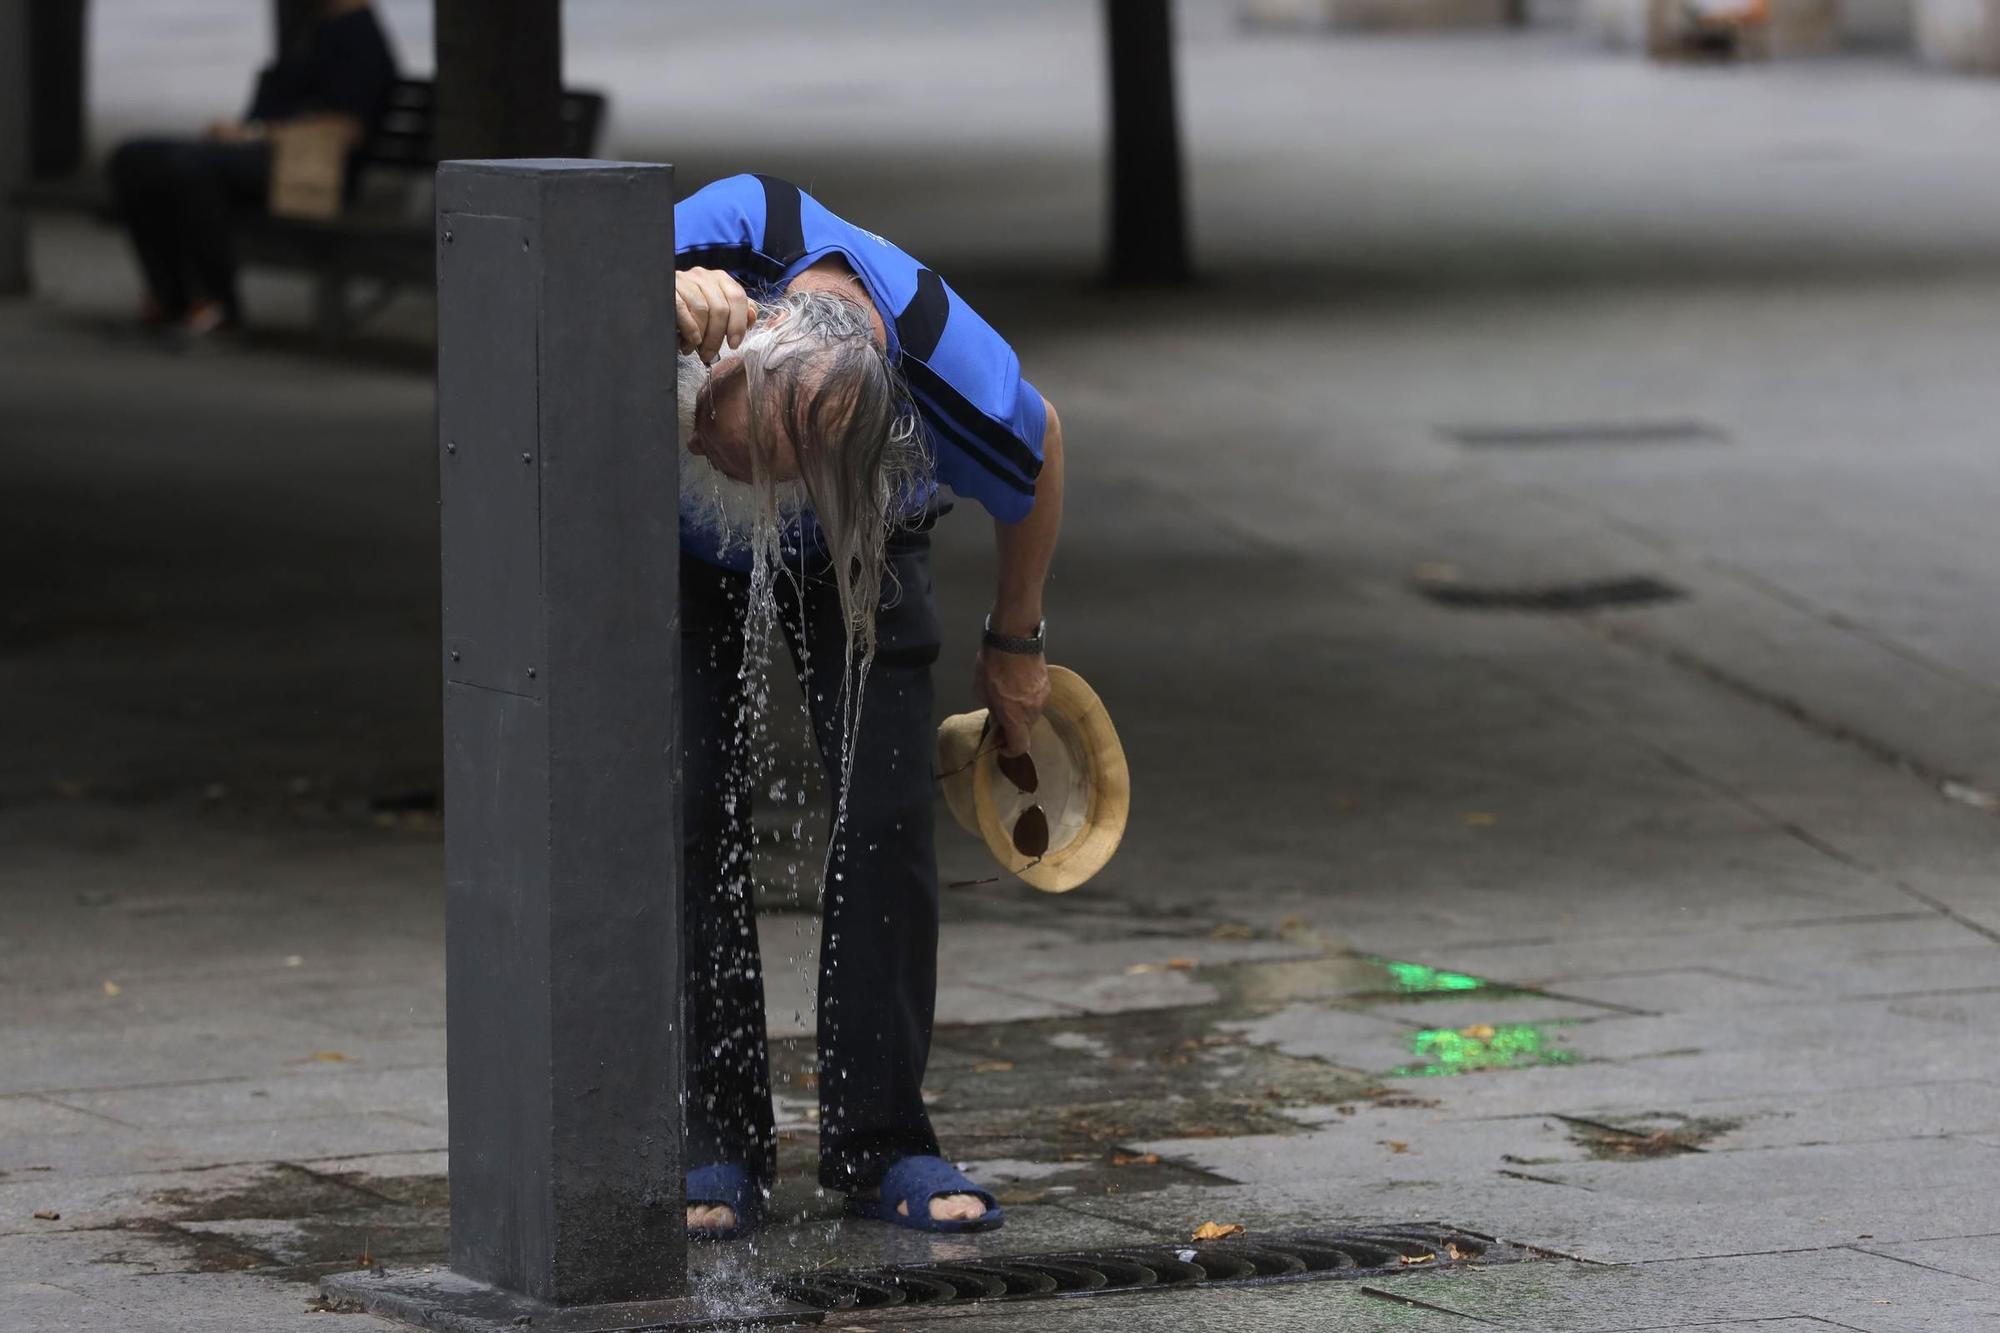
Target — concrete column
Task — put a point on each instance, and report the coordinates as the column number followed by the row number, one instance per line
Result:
column 56, row 45
column 1148, row 211
column 499, row 78
column 1959, row 34
column 16, row 130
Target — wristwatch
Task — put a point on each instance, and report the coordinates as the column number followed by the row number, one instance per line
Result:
column 1008, row 643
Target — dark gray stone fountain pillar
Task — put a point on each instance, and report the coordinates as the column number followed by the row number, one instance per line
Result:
column 562, row 850
column 560, row 508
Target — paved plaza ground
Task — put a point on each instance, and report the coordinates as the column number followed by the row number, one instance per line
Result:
column 1662, row 939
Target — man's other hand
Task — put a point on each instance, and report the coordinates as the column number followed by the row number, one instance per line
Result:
column 1015, row 687
column 710, row 307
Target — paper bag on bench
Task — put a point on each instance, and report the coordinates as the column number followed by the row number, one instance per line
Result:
column 308, row 169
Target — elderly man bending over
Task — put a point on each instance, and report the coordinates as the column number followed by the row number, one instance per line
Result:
column 830, row 386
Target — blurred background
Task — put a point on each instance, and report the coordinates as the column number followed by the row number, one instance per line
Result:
column 1542, row 508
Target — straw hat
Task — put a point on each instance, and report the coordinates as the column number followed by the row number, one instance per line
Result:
column 1054, row 815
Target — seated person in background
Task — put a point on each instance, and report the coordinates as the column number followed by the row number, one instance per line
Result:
column 177, row 195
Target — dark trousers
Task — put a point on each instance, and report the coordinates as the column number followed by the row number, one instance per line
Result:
column 878, row 942
column 177, row 197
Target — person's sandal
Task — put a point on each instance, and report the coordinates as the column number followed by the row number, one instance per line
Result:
column 912, row 1183
column 724, row 1185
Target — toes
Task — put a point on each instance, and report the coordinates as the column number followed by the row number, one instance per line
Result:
column 711, row 1218
column 957, row 1208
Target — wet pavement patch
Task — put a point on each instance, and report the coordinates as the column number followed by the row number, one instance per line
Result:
column 1657, row 1134
column 1074, row 1094
column 1047, row 1109
column 295, row 1223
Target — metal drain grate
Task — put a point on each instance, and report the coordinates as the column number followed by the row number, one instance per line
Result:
column 1288, row 1257
column 1585, row 433
column 1556, row 598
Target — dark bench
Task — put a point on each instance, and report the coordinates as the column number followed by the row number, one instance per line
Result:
column 383, row 236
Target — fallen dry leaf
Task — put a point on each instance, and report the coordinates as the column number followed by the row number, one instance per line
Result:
column 112, row 987
column 1394, row 1145
column 1137, row 968
column 1232, row 930
column 1478, row 1032
column 1217, row 1230
column 1417, row 1258
column 1135, row 1159
column 1180, row 964
column 1481, row 819
column 992, row 1066
column 327, row 1057
column 47, row 1215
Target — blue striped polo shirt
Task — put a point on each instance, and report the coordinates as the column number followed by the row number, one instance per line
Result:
column 982, row 422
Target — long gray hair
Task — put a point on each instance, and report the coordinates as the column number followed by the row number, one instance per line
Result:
column 861, row 457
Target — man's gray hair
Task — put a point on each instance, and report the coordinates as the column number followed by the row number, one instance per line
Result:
column 861, row 457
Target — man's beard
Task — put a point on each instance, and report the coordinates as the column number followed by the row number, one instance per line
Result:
column 735, row 513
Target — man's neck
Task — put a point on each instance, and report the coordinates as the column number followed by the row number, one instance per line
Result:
column 832, row 276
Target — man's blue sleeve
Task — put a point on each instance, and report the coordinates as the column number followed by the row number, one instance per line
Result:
column 984, row 420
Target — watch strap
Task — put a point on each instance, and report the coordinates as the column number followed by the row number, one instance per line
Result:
column 1010, row 643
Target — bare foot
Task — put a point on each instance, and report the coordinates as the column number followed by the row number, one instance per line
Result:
column 710, row 1217
column 951, row 1208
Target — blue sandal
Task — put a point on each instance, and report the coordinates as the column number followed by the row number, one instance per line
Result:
column 725, row 1185
column 914, row 1182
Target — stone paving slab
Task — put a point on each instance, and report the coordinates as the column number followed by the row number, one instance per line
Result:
column 1962, row 1108
column 1818, row 1171
column 125, row 1151
column 1856, row 956
column 1383, row 1149
column 1844, row 1286
column 314, row 1089
column 179, row 1303
column 387, row 1165
column 1606, row 1227
column 1336, row 1307
column 1971, row 1257
column 1684, row 989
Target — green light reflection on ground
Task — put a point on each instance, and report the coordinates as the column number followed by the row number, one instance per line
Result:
column 1416, row 979
column 1463, row 1050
